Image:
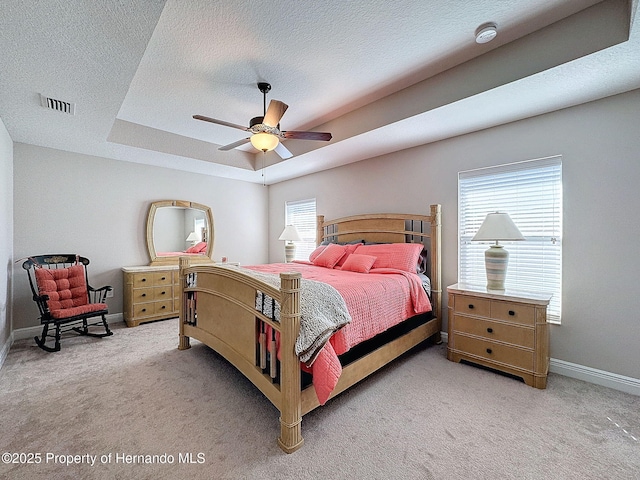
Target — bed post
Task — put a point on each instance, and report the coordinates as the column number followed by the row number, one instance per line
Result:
column 183, row 342
column 290, row 407
column 436, row 263
column 319, row 229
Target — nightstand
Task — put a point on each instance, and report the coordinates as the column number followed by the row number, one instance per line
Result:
column 503, row 330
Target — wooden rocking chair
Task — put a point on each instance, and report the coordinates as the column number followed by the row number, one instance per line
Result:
column 60, row 287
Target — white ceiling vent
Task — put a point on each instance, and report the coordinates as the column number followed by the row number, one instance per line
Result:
column 58, row 105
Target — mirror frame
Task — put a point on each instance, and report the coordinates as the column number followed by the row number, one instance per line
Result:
column 174, row 260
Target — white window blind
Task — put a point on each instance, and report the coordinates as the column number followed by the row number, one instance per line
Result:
column 531, row 193
column 302, row 214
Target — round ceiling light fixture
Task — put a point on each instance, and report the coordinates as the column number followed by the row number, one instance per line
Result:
column 486, row 32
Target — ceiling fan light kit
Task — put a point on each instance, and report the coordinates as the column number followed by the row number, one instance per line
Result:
column 264, row 141
column 266, row 133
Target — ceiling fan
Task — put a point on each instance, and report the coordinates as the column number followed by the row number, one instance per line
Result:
column 266, row 129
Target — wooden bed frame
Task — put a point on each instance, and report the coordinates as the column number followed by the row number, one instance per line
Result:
column 226, row 318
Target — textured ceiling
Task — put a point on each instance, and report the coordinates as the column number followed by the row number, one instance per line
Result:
column 380, row 76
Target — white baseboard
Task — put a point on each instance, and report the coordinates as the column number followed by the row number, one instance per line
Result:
column 30, row 332
column 588, row 374
column 4, row 351
column 593, row 375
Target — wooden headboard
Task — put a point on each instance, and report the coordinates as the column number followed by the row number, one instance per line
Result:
column 393, row 228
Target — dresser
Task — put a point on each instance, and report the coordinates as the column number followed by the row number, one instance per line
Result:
column 150, row 293
column 505, row 331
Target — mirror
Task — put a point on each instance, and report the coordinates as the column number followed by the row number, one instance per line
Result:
column 178, row 228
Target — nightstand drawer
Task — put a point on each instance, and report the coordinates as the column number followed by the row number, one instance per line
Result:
column 521, row 336
column 512, row 356
column 513, row 312
column 472, row 305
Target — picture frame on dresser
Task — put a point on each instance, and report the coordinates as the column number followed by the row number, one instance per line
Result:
column 502, row 330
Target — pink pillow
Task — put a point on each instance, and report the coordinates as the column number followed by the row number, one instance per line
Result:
column 66, row 287
column 330, row 256
column 199, row 247
column 349, row 249
column 316, row 252
column 400, row 256
column 359, row 263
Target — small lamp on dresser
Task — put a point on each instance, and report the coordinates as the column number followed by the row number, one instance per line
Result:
column 496, row 227
column 289, row 235
column 192, row 238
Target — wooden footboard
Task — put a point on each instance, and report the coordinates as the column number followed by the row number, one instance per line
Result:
column 218, row 308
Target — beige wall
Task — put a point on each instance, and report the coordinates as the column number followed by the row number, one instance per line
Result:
column 6, row 237
column 96, row 206
column 600, row 146
column 68, row 202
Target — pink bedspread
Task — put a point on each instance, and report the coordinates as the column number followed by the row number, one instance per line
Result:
column 376, row 301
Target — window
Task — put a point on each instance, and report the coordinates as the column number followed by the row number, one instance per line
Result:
column 531, row 193
column 198, row 227
column 302, row 214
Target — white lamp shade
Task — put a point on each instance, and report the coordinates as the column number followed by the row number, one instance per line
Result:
column 498, row 226
column 264, row 141
column 290, row 234
column 193, row 237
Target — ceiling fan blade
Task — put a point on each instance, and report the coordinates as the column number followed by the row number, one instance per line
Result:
column 220, row 122
column 233, row 145
column 274, row 113
column 307, row 135
column 282, row 151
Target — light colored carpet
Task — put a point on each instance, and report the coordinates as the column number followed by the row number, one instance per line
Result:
column 422, row 417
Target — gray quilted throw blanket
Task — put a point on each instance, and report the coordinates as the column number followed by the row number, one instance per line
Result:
column 323, row 311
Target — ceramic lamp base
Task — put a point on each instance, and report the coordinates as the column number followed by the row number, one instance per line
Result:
column 289, row 252
column 496, row 259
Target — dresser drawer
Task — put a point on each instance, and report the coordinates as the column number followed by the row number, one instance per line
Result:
column 472, row 305
column 142, row 310
column 152, row 279
column 513, row 312
column 141, row 295
column 162, row 278
column 495, row 352
column 163, row 293
column 164, row 307
column 141, row 280
column 502, row 332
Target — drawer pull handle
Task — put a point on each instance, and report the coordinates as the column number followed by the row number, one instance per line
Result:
column 163, row 307
column 490, row 330
column 164, row 278
column 144, row 309
column 489, row 351
column 512, row 313
column 144, row 279
column 471, row 306
column 163, row 293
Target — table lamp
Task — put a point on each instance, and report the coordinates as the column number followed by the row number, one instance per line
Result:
column 496, row 227
column 193, row 238
column 289, row 235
